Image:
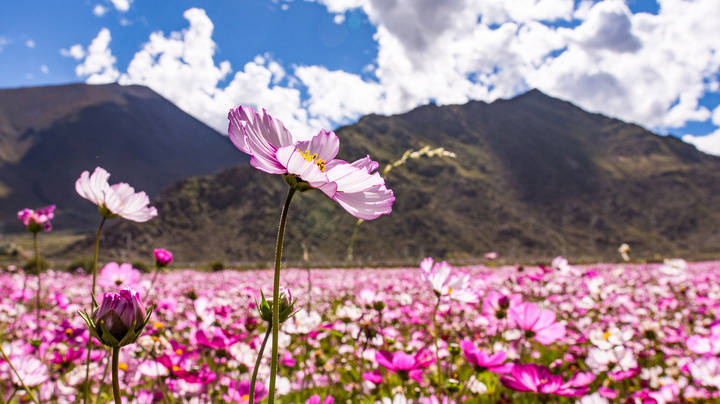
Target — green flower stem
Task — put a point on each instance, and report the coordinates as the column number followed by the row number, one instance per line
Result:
column 437, row 348
column 86, row 398
column 351, row 245
column 37, row 293
column 276, row 295
column 22, row 383
column 115, row 381
column 253, row 379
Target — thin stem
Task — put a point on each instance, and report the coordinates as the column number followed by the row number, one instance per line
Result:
column 352, row 241
column 37, row 293
column 115, row 381
column 22, row 383
column 86, row 398
column 437, row 348
column 309, row 289
column 276, row 296
column 251, row 400
column 154, row 278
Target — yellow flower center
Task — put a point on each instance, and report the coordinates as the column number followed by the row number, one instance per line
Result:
column 314, row 158
column 245, row 397
column 178, row 351
column 122, row 366
column 606, row 336
column 449, row 290
column 158, row 325
column 175, row 368
column 69, row 331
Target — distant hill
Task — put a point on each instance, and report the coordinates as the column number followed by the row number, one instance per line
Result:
column 49, row 135
column 534, row 177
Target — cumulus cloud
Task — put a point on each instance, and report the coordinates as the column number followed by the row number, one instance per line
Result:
column 708, row 143
column 121, row 5
column 30, row 43
column 99, row 10
column 76, row 52
column 44, row 69
column 650, row 69
column 99, row 64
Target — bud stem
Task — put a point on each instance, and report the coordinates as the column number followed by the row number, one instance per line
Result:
column 86, row 397
column 253, row 379
column 276, row 295
column 115, row 381
column 37, row 293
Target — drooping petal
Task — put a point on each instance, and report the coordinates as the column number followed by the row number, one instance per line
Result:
column 366, row 163
column 369, row 204
column 259, row 135
column 352, row 179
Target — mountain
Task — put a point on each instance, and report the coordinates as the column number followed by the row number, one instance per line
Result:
column 534, row 177
column 49, row 135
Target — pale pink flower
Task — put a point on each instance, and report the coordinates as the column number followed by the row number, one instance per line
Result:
column 444, row 282
column 31, row 370
column 538, row 324
column 355, row 186
column 113, row 275
column 114, row 200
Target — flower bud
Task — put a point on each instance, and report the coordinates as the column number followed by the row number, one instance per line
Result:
column 286, row 306
column 379, row 305
column 504, row 302
column 454, row 349
column 120, row 319
column 162, row 257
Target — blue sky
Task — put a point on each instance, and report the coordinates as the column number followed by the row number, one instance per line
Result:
column 322, row 63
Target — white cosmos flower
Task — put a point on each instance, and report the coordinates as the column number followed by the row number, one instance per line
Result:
column 114, row 200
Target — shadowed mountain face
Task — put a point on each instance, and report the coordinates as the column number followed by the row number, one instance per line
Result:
column 534, row 177
column 49, row 135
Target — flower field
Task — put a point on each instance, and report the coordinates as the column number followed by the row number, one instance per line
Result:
column 590, row 334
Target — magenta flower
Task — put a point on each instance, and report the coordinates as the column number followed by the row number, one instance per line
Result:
column 114, row 275
column 315, row 399
column 355, row 186
column 118, row 200
column 404, row 364
column 36, row 220
column 496, row 304
column 162, row 257
column 538, row 324
column 480, row 359
column 538, row 379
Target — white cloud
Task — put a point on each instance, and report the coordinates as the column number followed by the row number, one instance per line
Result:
column 99, row 10
column 3, row 42
column 709, row 143
column 121, row 5
column 76, row 52
column 30, row 43
column 44, row 69
column 99, row 62
column 643, row 68
column 716, row 116
column 187, row 57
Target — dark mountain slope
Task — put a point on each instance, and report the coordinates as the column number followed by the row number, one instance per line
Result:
column 49, row 135
column 534, row 177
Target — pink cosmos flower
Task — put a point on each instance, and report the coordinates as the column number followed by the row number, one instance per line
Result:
column 445, row 283
column 315, row 399
column 118, row 200
column 373, row 377
column 480, row 359
column 538, row 324
column 35, row 220
column 239, row 392
column 355, row 186
column 537, row 378
column 496, row 304
column 31, row 370
column 162, row 257
column 405, row 364
column 113, row 275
